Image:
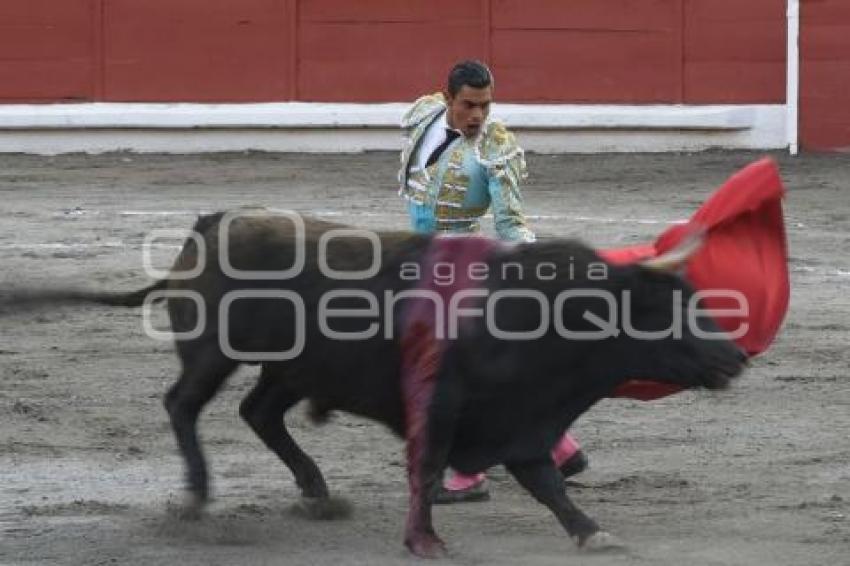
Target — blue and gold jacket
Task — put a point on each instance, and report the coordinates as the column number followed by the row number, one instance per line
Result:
column 471, row 175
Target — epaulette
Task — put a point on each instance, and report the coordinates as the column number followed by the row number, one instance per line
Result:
column 497, row 146
column 423, row 107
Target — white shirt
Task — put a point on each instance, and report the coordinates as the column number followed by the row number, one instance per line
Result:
column 431, row 140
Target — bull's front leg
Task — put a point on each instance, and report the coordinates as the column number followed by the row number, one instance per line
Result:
column 431, row 429
column 543, row 481
column 420, row 536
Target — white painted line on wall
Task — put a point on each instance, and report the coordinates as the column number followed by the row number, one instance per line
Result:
column 51, row 129
column 792, row 96
column 311, row 115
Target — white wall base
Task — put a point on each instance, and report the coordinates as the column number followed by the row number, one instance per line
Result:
column 307, row 127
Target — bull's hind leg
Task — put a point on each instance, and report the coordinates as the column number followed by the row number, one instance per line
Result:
column 543, row 481
column 263, row 409
column 203, row 374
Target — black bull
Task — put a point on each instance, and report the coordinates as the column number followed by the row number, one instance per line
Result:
column 494, row 400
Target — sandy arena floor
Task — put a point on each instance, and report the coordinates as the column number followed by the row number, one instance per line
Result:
column 757, row 475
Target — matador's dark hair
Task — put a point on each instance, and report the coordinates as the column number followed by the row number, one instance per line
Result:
column 471, row 73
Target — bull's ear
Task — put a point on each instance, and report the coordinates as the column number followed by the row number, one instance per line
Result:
column 675, row 259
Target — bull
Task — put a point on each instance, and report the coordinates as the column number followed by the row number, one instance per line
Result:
column 469, row 399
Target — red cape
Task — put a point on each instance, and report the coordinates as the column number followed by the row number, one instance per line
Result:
column 745, row 250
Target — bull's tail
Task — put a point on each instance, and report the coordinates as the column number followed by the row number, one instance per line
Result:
column 16, row 300
column 131, row 299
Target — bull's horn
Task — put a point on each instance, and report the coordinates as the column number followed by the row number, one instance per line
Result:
column 678, row 256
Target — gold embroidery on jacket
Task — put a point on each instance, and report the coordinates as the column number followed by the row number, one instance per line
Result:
column 455, row 181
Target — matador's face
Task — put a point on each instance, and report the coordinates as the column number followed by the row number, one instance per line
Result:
column 468, row 109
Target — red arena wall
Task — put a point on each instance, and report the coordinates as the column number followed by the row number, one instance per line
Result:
column 583, row 51
column 626, row 51
column 825, row 74
column 47, row 50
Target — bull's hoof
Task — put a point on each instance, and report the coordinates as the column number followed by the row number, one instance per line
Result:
column 191, row 508
column 601, row 541
column 426, row 546
column 323, row 508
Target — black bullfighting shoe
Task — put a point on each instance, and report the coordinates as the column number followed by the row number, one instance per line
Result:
column 448, row 494
column 575, row 464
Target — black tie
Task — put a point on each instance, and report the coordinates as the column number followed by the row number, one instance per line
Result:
column 451, row 135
